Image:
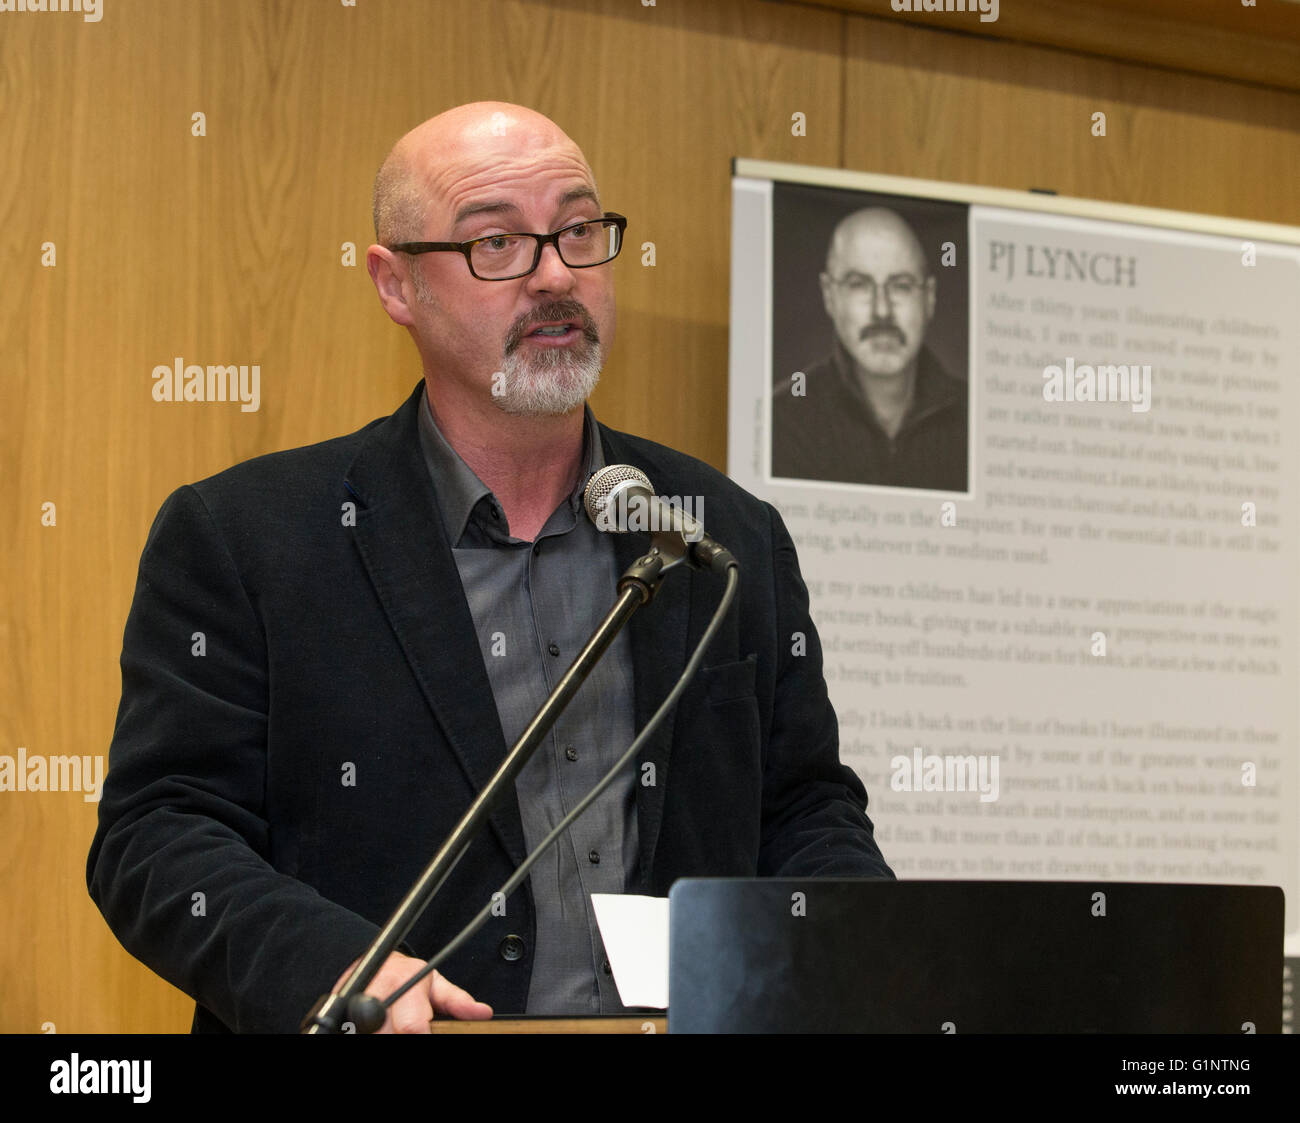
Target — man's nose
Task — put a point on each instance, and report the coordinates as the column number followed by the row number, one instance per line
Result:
column 551, row 274
column 880, row 307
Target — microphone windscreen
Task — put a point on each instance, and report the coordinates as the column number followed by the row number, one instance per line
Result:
column 604, row 483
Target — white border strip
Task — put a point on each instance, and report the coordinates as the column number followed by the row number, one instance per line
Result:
column 1017, row 200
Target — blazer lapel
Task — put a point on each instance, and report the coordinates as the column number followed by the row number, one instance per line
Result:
column 402, row 543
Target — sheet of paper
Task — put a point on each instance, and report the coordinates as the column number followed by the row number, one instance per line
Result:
column 635, row 931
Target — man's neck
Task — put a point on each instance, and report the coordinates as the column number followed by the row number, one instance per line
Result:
column 530, row 463
column 890, row 397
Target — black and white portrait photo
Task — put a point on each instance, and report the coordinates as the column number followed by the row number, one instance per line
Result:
column 870, row 327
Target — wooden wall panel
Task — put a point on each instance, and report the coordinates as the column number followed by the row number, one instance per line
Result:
column 227, row 248
column 943, row 106
column 1253, row 41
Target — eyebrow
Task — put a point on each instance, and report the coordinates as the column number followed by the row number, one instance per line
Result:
column 502, row 207
column 891, row 277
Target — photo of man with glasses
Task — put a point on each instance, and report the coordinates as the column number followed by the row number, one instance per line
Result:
column 880, row 409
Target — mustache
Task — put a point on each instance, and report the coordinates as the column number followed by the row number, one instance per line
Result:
column 549, row 313
column 882, row 327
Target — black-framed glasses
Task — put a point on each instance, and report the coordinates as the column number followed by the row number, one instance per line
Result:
column 901, row 286
column 503, row 257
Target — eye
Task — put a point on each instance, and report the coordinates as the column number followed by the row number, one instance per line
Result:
column 496, row 243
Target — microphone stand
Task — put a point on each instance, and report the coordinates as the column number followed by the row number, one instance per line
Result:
column 636, row 587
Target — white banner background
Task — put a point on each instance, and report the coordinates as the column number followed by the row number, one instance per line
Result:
column 1083, row 518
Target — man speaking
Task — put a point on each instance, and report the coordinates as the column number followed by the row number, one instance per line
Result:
column 383, row 613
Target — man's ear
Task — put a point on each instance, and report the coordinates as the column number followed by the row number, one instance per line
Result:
column 931, row 291
column 828, row 294
column 389, row 273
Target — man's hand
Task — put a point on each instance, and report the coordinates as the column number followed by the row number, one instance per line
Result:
column 430, row 997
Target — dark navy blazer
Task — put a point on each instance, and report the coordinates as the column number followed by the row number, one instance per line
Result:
column 269, row 802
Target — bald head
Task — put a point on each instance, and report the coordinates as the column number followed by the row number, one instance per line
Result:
column 449, row 153
column 877, row 241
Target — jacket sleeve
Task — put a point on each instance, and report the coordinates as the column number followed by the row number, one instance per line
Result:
column 179, row 864
column 814, row 807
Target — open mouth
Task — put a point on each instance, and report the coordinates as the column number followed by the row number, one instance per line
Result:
column 555, row 333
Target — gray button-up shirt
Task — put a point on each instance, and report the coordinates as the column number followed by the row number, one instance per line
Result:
column 534, row 605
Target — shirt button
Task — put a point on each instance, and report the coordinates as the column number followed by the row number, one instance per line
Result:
column 554, row 648
column 571, row 753
column 605, row 967
column 537, row 548
column 511, row 949
column 594, row 857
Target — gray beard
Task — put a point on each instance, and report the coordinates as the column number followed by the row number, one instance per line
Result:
column 550, row 383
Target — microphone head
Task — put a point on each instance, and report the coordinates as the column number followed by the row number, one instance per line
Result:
column 606, row 486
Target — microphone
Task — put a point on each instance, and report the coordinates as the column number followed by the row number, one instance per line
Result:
column 620, row 500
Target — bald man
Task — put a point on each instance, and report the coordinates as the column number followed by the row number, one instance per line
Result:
column 386, row 611
column 880, row 409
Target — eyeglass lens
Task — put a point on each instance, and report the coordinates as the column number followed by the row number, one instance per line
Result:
column 504, row 255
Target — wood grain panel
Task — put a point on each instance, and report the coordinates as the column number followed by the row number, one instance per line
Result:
column 1258, row 44
column 938, row 106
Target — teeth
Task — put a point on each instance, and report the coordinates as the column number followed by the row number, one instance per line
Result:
column 551, row 331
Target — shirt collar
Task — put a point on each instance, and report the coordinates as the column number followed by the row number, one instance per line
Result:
column 458, row 487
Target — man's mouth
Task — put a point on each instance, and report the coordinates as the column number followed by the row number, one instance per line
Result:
column 554, row 329
column 557, row 333
column 563, row 325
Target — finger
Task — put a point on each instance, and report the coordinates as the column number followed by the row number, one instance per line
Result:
column 448, row 998
column 412, row 1012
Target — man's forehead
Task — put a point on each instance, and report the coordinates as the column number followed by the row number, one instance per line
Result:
column 882, row 251
column 507, row 186
column 492, row 172
column 876, row 245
